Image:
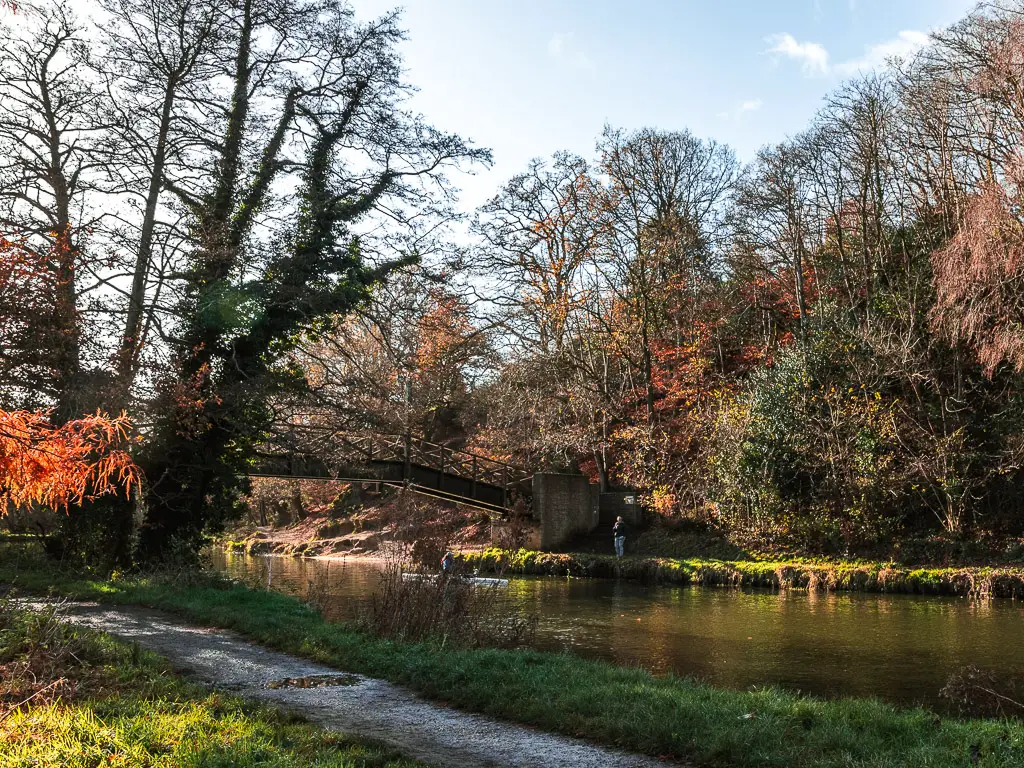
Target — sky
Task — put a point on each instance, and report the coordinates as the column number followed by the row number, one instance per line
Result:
column 527, row 78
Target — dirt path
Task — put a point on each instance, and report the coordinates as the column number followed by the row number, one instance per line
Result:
column 358, row 705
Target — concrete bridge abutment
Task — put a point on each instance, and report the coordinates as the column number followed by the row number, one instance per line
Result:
column 568, row 506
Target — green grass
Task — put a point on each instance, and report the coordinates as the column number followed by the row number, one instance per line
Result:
column 628, row 708
column 968, row 581
column 116, row 705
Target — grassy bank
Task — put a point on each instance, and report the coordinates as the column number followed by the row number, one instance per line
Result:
column 976, row 581
column 629, row 708
column 969, row 581
column 72, row 697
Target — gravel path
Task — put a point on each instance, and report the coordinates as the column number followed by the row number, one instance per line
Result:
column 359, row 705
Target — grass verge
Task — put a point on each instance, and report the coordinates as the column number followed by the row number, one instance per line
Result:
column 628, row 708
column 71, row 697
column 971, row 581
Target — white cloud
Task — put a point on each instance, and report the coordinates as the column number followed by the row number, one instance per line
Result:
column 905, row 44
column 750, row 105
column 563, row 47
column 813, row 57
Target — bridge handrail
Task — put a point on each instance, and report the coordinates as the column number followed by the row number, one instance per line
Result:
column 494, row 472
column 418, row 440
column 400, row 436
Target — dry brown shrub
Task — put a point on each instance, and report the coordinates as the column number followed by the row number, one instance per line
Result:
column 414, row 602
column 979, row 692
column 37, row 650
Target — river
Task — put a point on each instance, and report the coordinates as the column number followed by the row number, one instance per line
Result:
column 900, row 648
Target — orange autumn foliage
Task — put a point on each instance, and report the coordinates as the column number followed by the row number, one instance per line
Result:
column 56, row 466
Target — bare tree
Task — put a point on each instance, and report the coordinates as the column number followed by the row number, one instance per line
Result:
column 772, row 219
column 50, row 126
column 159, row 59
column 661, row 217
column 538, row 234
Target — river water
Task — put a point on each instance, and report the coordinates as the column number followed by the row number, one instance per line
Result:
column 900, row 648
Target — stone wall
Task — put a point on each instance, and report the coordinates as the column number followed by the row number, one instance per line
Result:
column 517, row 533
column 625, row 503
column 564, row 506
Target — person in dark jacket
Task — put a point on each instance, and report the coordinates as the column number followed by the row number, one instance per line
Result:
column 619, row 534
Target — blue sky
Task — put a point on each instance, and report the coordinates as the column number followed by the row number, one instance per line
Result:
column 529, row 77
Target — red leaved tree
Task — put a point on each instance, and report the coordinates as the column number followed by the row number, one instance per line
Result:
column 56, row 466
column 979, row 276
column 979, row 273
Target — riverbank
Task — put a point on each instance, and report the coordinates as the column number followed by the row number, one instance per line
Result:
column 364, row 530
column 700, row 558
column 970, row 581
column 976, row 582
column 73, row 696
column 626, row 708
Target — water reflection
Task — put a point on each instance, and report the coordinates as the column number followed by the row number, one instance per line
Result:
column 896, row 647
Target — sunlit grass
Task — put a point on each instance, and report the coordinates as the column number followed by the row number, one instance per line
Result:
column 790, row 573
column 119, row 706
column 174, row 733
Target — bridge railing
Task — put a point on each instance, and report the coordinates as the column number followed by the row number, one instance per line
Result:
column 345, row 448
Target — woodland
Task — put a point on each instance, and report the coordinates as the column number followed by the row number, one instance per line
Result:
column 222, row 219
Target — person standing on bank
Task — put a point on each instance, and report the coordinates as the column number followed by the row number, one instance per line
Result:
column 619, row 534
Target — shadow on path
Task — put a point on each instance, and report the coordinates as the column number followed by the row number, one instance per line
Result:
column 362, row 706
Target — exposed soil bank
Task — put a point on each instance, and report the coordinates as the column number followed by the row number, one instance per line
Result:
column 365, row 530
column 352, row 703
column 306, row 539
column 978, row 582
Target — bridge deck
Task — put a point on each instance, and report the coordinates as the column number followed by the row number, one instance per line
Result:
column 453, row 474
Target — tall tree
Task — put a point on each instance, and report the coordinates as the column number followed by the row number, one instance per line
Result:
column 303, row 76
column 539, row 233
column 774, row 223
column 50, row 125
column 159, row 60
column 979, row 273
column 661, row 219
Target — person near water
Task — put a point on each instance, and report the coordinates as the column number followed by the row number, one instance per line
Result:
column 448, row 561
column 619, row 534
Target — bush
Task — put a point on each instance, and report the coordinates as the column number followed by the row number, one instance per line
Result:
column 809, row 457
column 41, row 658
column 448, row 608
column 982, row 693
column 427, row 605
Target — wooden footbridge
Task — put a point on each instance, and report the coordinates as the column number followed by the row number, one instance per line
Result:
column 452, row 474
